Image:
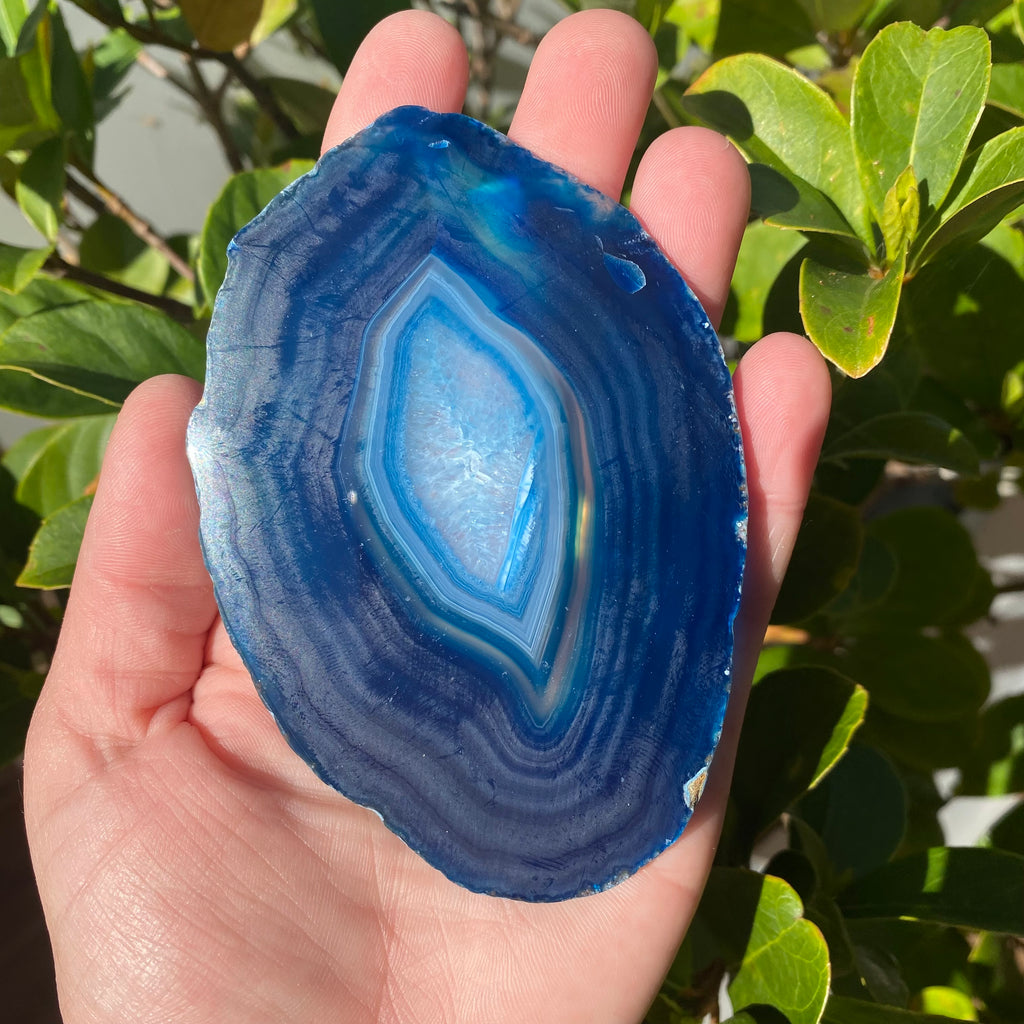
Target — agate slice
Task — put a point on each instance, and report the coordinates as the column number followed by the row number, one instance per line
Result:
column 473, row 504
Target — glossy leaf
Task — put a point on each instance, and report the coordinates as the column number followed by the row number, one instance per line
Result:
column 221, row 24
column 928, row 678
column 344, row 26
column 778, row 957
column 915, row 437
column 65, row 466
column 969, row 887
column 790, row 202
column 859, row 811
column 824, row 559
column 40, row 187
column 778, row 118
column 54, row 550
column 242, row 198
column 947, row 1002
column 921, row 746
column 1006, row 89
column 773, row 27
column 841, row 1010
column 916, row 99
column 100, row 350
column 990, row 187
column 18, row 266
column 850, row 314
column 798, row 724
column 39, row 294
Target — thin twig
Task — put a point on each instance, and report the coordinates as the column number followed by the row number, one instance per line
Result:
column 141, row 228
column 59, row 267
column 263, row 96
column 211, row 107
column 503, row 24
column 149, row 63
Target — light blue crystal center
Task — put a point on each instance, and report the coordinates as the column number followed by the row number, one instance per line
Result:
column 472, row 471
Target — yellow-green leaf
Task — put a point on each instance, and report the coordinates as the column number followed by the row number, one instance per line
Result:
column 900, row 212
column 917, row 97
column 778, row 118
column 40, row 187
column 18, row 266
column 850, row 314
column 221, row 24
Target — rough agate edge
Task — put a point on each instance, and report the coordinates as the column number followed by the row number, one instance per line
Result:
column 473, row 503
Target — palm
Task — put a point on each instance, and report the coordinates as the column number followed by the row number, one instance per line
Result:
column 191, row 867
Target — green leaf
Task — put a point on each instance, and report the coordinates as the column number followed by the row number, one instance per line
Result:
column 840, row 1010
column 947, row 1002
column 54, row 550
column 836, row 15
column 72, row 97
column 40, row 187
column 763, row 253
column 963, row 314
column 900, row 212
column 922, row 746
column 1008, row 832
column 994, row 766
column 915, row 437
column 13, row 14
column 968, row 887
column 860, row 812
column 308, row 105
column 39, row 294
column 65, row 466
column 779, row 958
column 106, row 65
column 109, row 247
column 789, row 202
column 221, row 24
column 244, row 196
column 273, row 15
column 849, row 314
column 935, row 560
column 26, row 113
column 773, row 27
column 798, row 724
column 916, row 99
column 824, row 559
column 778, row 118
column 18, row 266
column 927, row 678
column 344, row 26
column 30, row 26
column 990, row 186
column 1006, row 90
column 100, row 350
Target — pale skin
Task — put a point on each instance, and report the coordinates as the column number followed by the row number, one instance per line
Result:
column 191, row 867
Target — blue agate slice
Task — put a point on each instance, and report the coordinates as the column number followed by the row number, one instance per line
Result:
column 473, row 504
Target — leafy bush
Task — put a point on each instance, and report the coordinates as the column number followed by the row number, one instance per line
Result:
column 886, row 149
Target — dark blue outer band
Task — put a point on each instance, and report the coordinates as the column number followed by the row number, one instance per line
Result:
column 385, row 709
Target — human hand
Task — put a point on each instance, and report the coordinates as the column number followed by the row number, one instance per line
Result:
column 191, row 867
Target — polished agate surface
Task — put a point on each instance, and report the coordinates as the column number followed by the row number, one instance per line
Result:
column 473, row 503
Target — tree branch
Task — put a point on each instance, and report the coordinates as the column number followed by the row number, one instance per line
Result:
column 59, row 267
column 102, row 199
column 211, row 107
column 262, row 94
